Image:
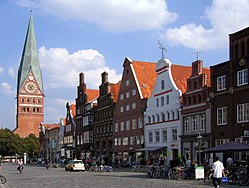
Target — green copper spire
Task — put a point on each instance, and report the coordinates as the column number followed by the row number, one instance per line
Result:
column 29, row 61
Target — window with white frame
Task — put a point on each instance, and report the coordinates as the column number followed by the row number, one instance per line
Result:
column 127, row 94
column 122, row 126
column 219, row 142
column 116, row 127
column 164, row 135
column 121, row 97
column 157, row 134
column 174, row 134
column 134, row 105
column 222, row 116
column 140, row 123
column 186, row 124
column 131, row 140
column 162, row 85
column 221, row 83
column 134, row 123
column 119, row 141
column 125, row 141
column 203, row 121
column 121, row 109
column 150, row 137
column 194, row 123
column 127, row 83
column 115, row 141
column 243, row 113
column 127, row 107
column 134, row 92
column 242, row 77
column 162, row 101
column 138, row 139
column 128, row 125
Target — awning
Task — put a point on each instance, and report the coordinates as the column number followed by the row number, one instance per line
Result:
column 152, row 148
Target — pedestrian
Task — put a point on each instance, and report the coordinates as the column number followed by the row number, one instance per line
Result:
column 229, row 163
column 20, row 165
column 218, row 171
column 188, row 163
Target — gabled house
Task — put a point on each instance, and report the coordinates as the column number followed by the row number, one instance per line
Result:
column 86, row 100
column 196, row 114
column 136, row 86
column 162, row 116
column 69, row 131
column 104, row 119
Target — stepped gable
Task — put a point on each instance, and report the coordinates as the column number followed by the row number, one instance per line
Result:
column 146, row 76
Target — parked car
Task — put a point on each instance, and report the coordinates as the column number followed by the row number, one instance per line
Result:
column 75, row 165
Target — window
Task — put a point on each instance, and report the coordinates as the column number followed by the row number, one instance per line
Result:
column 157, row 133
column 162, row 85
column 162, row 101
column 121, row 97
column 119, row 141
column 222, row 116
column 127, row 107
column 116, row 127
column 115, row 141
column 163, row 117
column 127, row 83
column 22, row 100
column 221, row 83
column 148, row 119
column 174, row 134
column 153, row 119
column 243, row 113
column 131, row 140
column 127, row 94
column 219, row 142
column 186, row 124
column 133, row 92
column 173, row 114
column 168, row 116
column 128, row 125
column 134, row 105
column 157, row 102
column 194, row 123
column 167, row 99
column 203, row 121
column 150, row 137
column 134, row 123
column 242, row 77
column 157, row 118
column 122, row 126
column 164, row 135
column 121, row 109
column 125, row 141
column 140, row 124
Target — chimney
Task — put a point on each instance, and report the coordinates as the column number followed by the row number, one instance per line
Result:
column 81, row 78
column 104, row 77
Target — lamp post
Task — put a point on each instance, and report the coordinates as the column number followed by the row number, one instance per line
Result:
column 199, row 139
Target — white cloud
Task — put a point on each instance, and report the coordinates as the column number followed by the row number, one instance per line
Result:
column 11, row 72
column 225, row 18
column 115, row 16
column 1, row 70
column 61, row 69
column 7, row 88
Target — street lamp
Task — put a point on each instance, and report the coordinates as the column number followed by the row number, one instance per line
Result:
column 199, row 139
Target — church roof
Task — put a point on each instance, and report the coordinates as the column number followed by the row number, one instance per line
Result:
column 29, row 61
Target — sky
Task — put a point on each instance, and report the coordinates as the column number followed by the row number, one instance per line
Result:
column 93, row 36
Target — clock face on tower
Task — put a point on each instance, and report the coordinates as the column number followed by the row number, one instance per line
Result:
column 30, row 87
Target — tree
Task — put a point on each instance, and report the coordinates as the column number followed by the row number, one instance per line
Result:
column 31, row 145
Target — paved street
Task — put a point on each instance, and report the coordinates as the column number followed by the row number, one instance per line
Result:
column 40, row 177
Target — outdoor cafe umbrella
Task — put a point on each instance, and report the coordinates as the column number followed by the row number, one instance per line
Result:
column 229, row 147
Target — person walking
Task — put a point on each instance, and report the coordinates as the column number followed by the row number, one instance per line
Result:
column 20, row 165
column 218, row 171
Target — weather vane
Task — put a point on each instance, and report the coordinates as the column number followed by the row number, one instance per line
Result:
column 162, row 48
column 197, row 55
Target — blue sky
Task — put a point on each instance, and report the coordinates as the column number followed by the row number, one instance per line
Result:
column 95, row 36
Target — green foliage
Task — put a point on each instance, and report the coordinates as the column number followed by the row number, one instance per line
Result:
column 11, row 143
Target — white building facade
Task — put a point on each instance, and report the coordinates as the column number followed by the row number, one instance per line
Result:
column 162, row 116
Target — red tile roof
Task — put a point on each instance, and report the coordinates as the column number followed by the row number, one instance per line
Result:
column 92, row 94
column 180, row 75
column 115, row 90
column 207, row 72
column 146, row 76
column 51, row 126
column 73, row 109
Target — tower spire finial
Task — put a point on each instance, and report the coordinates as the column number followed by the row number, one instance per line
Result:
column 162, row 48
column 197, row 55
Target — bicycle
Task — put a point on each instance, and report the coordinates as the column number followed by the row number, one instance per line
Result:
column 2, row 179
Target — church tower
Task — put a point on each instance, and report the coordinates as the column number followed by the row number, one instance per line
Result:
column 30, row 94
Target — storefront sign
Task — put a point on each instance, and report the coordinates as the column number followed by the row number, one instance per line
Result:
column 199, row 172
